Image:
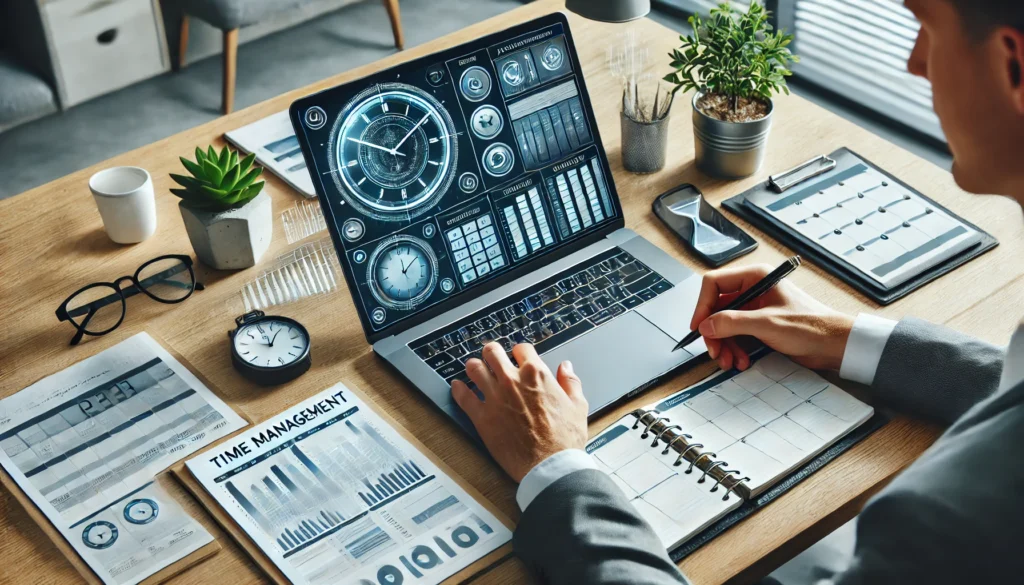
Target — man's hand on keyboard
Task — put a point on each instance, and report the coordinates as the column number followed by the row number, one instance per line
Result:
column 528, row 413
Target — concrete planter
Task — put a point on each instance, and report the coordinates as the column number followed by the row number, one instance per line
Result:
column 232, row 239
column 729, row 150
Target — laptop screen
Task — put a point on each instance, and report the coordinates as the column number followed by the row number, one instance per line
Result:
column 445, row 173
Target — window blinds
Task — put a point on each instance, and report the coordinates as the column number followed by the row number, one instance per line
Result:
column 855, row 48
column 859, row 49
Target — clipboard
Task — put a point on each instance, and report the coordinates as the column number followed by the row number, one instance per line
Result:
column 844, row 159
column 162, row 478
column 265, row 563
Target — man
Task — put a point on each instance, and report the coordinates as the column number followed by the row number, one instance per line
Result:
column 957, row 514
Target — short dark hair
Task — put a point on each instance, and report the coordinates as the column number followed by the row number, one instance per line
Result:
column 981, row 16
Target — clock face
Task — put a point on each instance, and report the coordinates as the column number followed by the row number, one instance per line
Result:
column 402, row 272
column 270, row 343
column 99, row 535
column 396, row 151
column 141, row 511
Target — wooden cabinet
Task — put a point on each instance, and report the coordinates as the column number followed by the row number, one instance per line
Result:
column 98, row 46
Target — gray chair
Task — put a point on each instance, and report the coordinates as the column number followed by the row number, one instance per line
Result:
column 24, row 96
column 231, row 15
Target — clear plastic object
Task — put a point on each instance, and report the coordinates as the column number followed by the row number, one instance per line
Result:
column 303, row 220
column 309, row 270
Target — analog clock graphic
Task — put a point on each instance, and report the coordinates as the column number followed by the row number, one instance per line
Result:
column 402, row 272
column 141, row 511
column 100, row 534
column 396, row 150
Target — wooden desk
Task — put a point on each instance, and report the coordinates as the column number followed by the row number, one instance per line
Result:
column 52, row 242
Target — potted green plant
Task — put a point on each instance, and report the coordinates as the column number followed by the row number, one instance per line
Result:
column 736, row 62
column 227, row 216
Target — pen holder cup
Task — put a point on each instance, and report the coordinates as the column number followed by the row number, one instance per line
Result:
column 644, row 144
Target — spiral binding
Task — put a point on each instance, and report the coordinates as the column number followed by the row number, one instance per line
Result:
column 704, row 461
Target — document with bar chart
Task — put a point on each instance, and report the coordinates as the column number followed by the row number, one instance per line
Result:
column 333, row 494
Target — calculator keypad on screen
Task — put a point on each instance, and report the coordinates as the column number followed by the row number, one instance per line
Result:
column 475, row 248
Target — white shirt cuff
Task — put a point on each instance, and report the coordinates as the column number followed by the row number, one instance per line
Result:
column 549, row 471
column 864, row 348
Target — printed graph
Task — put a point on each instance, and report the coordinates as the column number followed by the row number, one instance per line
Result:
column 388, row 484
column 323, row 484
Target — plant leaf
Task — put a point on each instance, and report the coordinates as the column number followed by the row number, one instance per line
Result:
column 733, row 53
column 186, row 182
column 230, row 179
column 215, row 194
column 233, row 159
column 222, row 159
column 213, row 173
column 192, row 198
column 249, row 177
column 252, row 191
column 196, row 170
column 246, row 163
column 211, row 154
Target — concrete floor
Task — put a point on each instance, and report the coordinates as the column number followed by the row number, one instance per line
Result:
column 44, row 150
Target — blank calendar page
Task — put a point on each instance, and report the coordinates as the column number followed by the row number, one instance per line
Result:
column 882, row 229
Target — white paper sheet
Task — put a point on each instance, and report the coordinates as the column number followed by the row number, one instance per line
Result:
column 81, row 441
column 276, row 147
column 671, row 501
column 762, row 423
column 332, row 494
column 861, row 216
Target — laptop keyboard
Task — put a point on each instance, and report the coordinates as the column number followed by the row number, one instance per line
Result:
column 548, row 314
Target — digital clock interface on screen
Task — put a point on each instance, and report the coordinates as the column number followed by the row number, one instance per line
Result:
column 447, row 171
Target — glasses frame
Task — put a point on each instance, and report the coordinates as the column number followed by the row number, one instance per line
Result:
column 122, row 295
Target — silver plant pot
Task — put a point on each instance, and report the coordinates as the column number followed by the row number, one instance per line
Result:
column 729, row 150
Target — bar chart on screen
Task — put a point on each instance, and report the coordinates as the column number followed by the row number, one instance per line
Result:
column 328, row 491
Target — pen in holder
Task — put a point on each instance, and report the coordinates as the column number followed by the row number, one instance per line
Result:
column 645, row 104
column 645, row 116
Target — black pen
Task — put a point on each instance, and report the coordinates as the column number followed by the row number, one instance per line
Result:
column 764, row 285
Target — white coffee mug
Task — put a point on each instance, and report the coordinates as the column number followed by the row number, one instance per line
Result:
column 124, row 196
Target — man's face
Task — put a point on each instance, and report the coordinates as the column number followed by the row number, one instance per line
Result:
column 973, row 97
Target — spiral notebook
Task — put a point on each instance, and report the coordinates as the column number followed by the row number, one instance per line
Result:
column 705, row 451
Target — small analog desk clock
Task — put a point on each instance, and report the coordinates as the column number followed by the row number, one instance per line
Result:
column 269, row 350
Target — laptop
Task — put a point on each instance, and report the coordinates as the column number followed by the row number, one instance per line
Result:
column 470, row 200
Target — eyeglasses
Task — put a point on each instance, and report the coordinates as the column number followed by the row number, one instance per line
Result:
column 99, row 308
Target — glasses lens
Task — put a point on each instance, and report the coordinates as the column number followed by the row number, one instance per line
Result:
column 96, row 309
column 168, row 279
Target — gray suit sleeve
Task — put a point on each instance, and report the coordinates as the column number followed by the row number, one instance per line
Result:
column 908, row 537
column 934, row 372
column 582, row 529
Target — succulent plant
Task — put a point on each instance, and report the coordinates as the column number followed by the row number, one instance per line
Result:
column 219, row 181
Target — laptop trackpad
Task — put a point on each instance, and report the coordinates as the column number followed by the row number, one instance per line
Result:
column 673, row 310
column 618, row 357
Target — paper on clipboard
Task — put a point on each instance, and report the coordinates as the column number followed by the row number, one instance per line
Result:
column 85, row 444
column 332, row 494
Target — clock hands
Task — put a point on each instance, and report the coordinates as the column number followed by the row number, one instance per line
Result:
column 274, row 338
column 394, row 149
column 377, row 146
